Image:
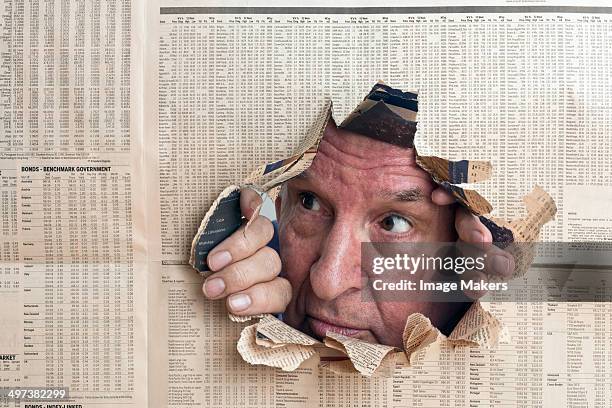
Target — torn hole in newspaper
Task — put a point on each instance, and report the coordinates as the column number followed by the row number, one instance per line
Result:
column 388, row 115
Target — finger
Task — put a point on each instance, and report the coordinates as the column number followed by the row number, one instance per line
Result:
column 442, row 197
column 477, row 277
column 268, row 297
column 470, row 229
column 241, row 244
column 263, row 266
column 249, row 201
column 497, row 262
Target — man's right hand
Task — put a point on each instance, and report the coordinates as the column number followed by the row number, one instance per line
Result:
column 245, row 269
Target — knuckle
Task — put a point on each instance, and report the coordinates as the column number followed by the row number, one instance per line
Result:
column 271, row 261
column 467, row 221
column 240, row 243
column 285, row 291
column 264, row 228
column 273, row 297
column 238, row 276
column 257, row 233
column 467, row 225
column 265, row 298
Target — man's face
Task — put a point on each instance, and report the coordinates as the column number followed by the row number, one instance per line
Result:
column 356, row 190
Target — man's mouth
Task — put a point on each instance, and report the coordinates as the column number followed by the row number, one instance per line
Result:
column 320, row 328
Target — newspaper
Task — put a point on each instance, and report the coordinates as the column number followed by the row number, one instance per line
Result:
column 74, row 263
column 122, row 121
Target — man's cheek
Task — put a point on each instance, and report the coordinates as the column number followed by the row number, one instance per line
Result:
column 301, row 226
column 298, row 253
column 297, row 256
column 392, row 322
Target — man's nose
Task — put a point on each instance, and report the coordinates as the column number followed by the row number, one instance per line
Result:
column 338, row 268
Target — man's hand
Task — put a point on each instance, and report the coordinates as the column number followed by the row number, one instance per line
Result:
column 473, row 232
column 245, row 269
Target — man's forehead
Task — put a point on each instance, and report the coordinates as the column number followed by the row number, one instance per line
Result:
column 361, row 152
column 347, row 160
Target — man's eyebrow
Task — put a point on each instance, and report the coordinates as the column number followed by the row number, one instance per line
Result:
column 406, row 196
column 409, row 195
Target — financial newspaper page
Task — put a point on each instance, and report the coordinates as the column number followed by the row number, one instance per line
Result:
column 525, row 87
column 121, row 121
column 73, row 267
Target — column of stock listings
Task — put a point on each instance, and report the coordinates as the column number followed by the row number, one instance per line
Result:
column 528, row 90
column 66, row 187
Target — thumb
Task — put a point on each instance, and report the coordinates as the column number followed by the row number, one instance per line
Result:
column 249, row 201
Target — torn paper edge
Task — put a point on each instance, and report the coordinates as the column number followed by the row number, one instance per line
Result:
column 194, row 243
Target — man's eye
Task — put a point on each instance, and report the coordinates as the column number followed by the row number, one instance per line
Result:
column 395, row 223
column 310, row 202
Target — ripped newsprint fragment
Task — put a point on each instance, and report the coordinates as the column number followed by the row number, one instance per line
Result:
column 389, row 115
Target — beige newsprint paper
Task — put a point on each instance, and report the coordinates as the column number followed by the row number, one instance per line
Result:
column 121, row 121
column 526, row 90
column 73, row 241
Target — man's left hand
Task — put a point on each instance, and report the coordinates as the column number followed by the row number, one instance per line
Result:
column 471, row 231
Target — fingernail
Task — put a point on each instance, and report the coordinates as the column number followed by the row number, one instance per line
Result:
column 214, row 287
column 501, row 265
column 219, row 260
column 239, row 302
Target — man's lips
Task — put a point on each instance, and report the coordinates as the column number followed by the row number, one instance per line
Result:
column 320, row 327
